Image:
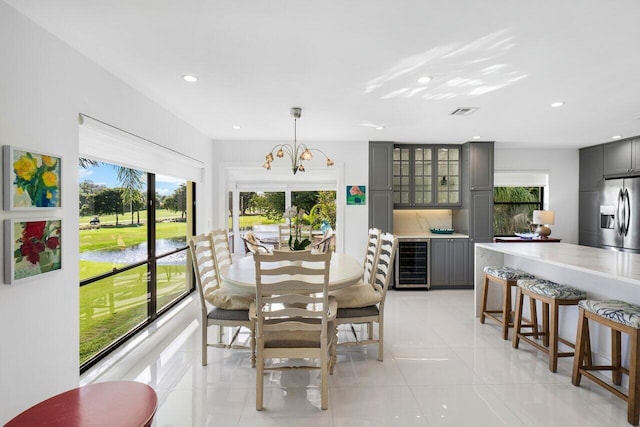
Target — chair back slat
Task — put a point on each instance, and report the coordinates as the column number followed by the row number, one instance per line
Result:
column 204, row 266
column 290, row 296
column 384, row 264
column 221, row 248
column 371, row 255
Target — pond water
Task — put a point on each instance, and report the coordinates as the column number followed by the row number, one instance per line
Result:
column 137, row 253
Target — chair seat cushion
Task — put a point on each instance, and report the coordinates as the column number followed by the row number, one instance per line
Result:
column 350, row 313
column 551, row 289
column 235, row 315
column 225, row 299
column 615, row 310
column 508, row 273
column 358, row 295
column 297, row 339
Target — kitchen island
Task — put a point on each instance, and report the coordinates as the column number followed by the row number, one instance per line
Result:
column 602, row 273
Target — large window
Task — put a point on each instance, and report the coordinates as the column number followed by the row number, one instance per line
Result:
column 513, row 208
column 133, row 252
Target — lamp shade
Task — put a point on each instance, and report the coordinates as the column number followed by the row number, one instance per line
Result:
column 543, row 217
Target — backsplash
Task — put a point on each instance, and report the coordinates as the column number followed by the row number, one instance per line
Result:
column 420, row 220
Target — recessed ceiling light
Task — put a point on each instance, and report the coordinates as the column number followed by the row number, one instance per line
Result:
column 236, row 127
column 558, row 104
column 424, row 80
column 379, row 127
column 616, row 137
column 189, row 78
column 476, row 136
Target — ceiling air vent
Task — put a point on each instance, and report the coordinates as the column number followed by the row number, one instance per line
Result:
column 464, row 111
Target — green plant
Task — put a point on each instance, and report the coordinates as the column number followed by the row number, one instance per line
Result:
column 324, row 209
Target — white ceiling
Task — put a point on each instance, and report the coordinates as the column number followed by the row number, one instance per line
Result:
column 354, row 64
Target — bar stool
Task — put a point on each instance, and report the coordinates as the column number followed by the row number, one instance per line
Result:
column 552, row 295
column 620, row 317
column 507, row 277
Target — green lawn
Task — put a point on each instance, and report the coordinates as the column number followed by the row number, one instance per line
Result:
column 112, row 307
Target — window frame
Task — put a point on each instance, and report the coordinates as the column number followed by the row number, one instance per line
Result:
column 540, row 204
column 151, row 262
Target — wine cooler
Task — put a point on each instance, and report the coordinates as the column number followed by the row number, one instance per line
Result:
column 412, row 264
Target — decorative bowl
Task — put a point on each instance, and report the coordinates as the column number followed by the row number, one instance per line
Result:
column 527, row 236
column 442, row 230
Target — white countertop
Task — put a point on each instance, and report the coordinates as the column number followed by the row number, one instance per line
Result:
column 401, row 236
column 623, row 266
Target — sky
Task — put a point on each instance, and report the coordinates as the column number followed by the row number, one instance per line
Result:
column 105, row 174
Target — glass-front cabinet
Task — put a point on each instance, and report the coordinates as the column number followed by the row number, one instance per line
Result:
column 426, row 176
column 448, row 179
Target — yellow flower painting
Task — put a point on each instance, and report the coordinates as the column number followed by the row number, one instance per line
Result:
column 34, row 179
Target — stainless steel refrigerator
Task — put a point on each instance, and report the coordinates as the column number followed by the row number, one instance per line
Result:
column 620, row 214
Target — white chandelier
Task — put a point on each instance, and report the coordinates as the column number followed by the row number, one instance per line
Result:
column 297, row 153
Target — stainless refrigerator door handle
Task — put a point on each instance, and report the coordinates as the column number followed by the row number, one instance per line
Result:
column 627, row 211
column 619, row 213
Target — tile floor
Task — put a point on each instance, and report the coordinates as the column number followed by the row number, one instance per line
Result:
column 441, row 367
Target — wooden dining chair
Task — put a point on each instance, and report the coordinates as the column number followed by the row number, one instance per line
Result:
column 363, row 303
column 218, row 306
column 324, row 244
column 252, row 244
column 294, row 315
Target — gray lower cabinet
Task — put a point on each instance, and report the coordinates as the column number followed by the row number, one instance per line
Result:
column 449, row 263
column 589, row 218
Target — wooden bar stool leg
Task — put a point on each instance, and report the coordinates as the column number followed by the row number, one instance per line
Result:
column 616, row 356
column 517, row 320
column 534, row 317
column 581, row 336
column 485, row 291
column 633, row 404
column 545, row 324
column 553, row 337
column 506, row 311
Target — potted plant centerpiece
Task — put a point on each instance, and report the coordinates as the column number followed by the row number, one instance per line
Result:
column 295, row 217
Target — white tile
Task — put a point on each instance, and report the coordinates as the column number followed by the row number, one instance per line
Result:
column 462, row 405
column 441, row 367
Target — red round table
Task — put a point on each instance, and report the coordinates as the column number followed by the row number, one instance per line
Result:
column 111, row 403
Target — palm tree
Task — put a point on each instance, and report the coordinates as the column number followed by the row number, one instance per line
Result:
column 132, row 184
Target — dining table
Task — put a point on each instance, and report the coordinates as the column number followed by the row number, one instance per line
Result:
column 240, row 276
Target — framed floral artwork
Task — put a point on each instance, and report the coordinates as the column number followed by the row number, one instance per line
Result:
column 31, row 180
column 356, row 194
column 32, row 247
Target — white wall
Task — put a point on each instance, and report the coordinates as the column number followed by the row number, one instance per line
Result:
column 562, row 166
column 351, row 156
column 44, row 84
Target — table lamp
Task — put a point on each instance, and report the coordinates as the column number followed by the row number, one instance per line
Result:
column 543, row 219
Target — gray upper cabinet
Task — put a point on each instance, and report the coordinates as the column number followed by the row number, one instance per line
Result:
column 380, row 157
column 481, row 166
column 622, row 158
column 591, row 168
column 380, row 185
column 635, row 155
column 381, row 210
column 617, row 158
